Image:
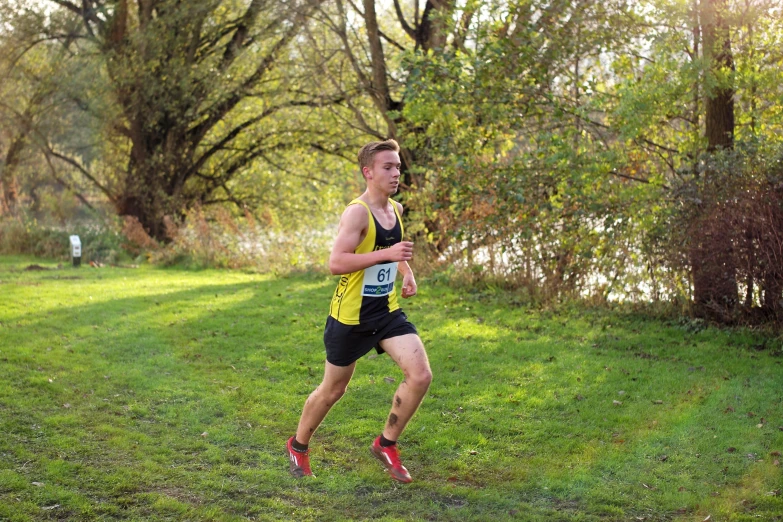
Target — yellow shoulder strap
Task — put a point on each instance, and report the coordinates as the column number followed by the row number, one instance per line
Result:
column 369, row 240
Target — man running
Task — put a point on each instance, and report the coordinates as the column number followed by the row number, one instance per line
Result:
column 364, row 313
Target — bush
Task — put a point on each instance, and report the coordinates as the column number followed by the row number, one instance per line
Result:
column 215, row 238
column 101, row 243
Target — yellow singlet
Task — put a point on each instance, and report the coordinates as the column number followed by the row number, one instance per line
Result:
column 369, row 294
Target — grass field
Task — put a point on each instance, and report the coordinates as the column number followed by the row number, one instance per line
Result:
column 152, row 394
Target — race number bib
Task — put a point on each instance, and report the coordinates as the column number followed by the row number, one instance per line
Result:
column 379, row 280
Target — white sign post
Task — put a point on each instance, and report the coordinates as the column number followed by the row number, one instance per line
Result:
column 76, row 250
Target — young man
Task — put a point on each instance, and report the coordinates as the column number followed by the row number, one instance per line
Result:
column 364, row 313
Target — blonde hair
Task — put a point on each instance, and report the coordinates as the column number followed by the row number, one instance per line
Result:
column 368, row 152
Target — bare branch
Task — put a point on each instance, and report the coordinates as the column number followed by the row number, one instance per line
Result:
column 462, row 29
column 343, row 34
column 220, row 109
column 407, row 28
column 242, row 29
column 47, row 148
column 358, row 114
column 292, row 174
column 63, row 182
column 339, row 154
column 634, row 178
column 85, row 12
column 236, row 131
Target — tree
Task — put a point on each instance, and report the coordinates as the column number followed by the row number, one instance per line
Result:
column 518, row 169
column 32, row 109
column 374, row 46
column 702, row 93
column 192, row 89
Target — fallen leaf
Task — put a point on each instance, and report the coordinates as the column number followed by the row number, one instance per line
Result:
column 760, row 425
column 621, row 392
column 388, row 379
column 579, row 397
column 49, row 508
column 729, row 410
column 731, row 449
column 37, row 484
column 473, row 452
column 751, row 414
column 66, row 405
column 664, row 458
column 657, row 402
column 709, row 517
column 774, row 454
column 776, row 462
column 617, row 403
column 204, row 434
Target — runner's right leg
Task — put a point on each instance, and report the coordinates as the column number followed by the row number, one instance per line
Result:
column 318, row 404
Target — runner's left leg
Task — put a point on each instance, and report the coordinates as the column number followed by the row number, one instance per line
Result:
column 409, row 354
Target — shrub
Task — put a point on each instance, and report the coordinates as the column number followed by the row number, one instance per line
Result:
column 215, row 238
column 101, row 242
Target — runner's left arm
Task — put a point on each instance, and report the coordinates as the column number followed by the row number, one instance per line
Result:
column 409, row 286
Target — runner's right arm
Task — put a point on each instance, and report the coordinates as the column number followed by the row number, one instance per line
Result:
column 351, row 232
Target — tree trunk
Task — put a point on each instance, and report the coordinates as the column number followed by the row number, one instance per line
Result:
column 712, row 257
column 155, row 179
column 773, row 293
column 8, row 182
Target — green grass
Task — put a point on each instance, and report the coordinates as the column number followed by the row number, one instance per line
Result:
column 152, row 394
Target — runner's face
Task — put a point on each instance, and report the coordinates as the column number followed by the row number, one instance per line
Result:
column 385, row 171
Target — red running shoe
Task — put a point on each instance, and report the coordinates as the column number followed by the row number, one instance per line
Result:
column 300, row 462
column 390, row 458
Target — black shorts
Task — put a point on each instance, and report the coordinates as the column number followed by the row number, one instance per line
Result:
column 345, row 344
